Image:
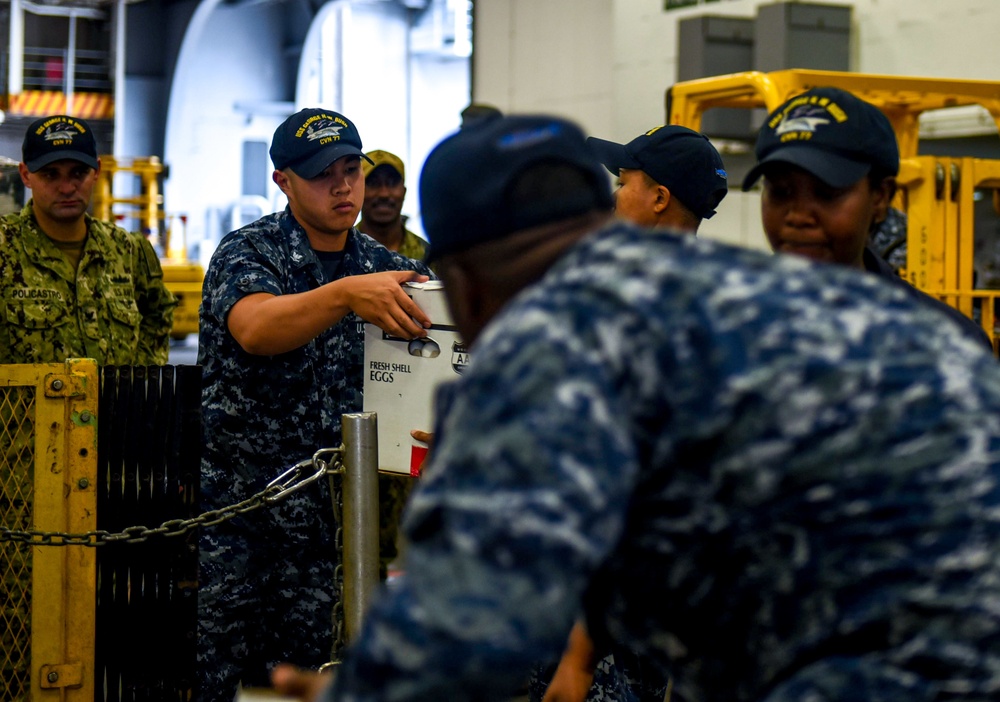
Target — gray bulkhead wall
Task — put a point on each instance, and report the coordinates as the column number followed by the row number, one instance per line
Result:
column 243, row 66
column 233, row 82
column 154, row 32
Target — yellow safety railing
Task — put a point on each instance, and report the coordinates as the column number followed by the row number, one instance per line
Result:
column 48, row 478
column 182, row 277
column 901, row 98
column 147, row 205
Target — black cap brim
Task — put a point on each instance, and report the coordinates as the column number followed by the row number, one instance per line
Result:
column 317, row 163
column 834, row 170
column 613, row 156
column 43, row 161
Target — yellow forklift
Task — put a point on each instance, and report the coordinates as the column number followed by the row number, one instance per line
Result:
column 182, row 276
column 937, row 193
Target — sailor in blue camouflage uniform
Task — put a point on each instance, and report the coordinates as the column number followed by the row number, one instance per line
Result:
column 281, row 346
column 72, row 286
column 828, row 161
column 670, row 177
column 778, row 479
column 888, row 239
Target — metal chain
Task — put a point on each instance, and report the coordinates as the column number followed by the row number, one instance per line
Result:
column 339, row 622
column 326, row 461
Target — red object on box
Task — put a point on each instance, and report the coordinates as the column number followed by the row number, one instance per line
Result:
column 417, row 456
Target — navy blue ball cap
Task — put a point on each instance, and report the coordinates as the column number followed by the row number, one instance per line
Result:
column 678, row 158
column 56, row 138
column 467, row 180
column 312, row 139
column 830, row 133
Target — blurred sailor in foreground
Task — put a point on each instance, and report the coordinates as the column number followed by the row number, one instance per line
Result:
column 777, row 479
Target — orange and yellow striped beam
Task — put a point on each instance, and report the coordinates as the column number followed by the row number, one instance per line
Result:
column 39, row 103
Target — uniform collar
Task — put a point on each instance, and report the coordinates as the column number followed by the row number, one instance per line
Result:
column 299, row 240
column 874, row 263
column 303, row 254
column 39, row 247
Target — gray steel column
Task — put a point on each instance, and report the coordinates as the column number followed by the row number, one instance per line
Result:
column 360, row 516
column 15, row 78
column 69, row 66
column 118, row 63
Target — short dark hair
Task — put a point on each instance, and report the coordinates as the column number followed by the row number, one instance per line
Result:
column 877, row 175
column 477, row 112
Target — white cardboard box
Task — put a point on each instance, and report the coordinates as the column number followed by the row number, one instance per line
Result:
column 401, row 376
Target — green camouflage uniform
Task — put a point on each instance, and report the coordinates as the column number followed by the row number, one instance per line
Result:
column 412, row 246
column 114, row 308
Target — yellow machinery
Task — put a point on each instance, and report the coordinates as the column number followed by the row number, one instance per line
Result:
column 182, row 277
column 937, row 193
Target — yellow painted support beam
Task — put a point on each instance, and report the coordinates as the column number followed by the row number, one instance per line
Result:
column 919, row 177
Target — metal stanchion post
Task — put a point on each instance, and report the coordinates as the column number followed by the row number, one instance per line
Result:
column 361, row 517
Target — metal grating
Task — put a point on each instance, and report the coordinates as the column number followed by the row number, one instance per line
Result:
column 17, row 410
column 148, row 469
column 63, row 474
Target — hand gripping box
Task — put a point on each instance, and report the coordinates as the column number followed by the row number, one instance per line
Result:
column 401, row 376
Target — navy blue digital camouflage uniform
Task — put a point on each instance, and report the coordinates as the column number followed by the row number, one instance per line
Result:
column 874, row 263
column 888, row 239
column 778, row 479
column 266, row 579
column 885, row 255
column 621, row 676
